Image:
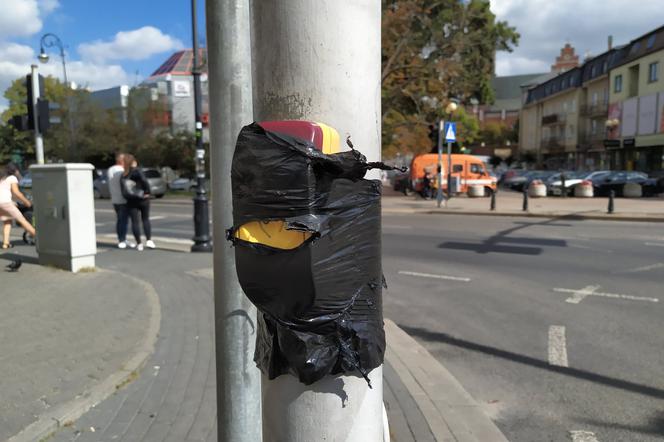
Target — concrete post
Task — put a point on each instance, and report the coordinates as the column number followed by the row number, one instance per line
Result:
column 229, row 66
column 321, row 61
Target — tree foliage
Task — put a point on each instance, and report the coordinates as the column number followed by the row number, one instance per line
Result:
column 433, row 51
column 89, row 133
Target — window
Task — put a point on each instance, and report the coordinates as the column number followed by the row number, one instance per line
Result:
column 653, row 69
column 565, row 107
column 594, row 102
column 593, row 127
column 573, row 105
column 476, row 169
column 617, row 84
column 457, row 168
column 651, row 41
column 593, row 71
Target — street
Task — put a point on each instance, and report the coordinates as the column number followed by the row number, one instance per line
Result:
column 553, row 325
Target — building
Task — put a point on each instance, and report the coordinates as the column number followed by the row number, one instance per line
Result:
column 635, row 124
column 165, row 98
column 566, row 60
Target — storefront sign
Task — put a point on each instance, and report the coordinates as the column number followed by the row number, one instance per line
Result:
column 181, row 89
column 612, row 144
column 628, row 142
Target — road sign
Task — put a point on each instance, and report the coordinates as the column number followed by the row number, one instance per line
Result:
column 450, row 132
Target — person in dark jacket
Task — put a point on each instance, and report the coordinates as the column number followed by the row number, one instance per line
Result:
column 136, row 190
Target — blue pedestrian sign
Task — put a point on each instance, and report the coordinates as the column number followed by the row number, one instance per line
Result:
column 450, row 132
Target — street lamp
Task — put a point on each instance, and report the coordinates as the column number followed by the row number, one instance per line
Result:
column 48, row 41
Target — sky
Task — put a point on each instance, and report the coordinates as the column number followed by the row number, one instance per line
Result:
column 107, row 43
column 110, row 43
column 545, row 26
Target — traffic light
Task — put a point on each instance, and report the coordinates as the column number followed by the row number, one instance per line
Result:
column 433, row 136
column 43, row 115
column 308, row 250
column 19, row 122
column 30, row 99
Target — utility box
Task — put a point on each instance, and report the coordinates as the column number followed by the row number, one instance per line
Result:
column 64, row 213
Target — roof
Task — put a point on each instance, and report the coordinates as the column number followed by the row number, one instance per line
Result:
column 509, row 86
column 180, row 63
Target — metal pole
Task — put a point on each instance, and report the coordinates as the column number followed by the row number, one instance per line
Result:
column 308, row 65
column 202, row 240
column 39, row 140
column 449, row 171
column 439, row 194
column 229, row 76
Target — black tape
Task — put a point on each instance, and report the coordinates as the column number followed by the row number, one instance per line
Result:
column 320, row 304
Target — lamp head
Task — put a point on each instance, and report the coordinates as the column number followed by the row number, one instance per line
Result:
column 43, row 56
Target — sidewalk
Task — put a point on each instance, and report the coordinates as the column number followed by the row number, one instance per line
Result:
column 104, row 317
column 68, row 341
column 510, row 203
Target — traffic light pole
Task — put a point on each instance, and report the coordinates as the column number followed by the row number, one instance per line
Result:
column 39, row 140
column 229, row 76
column 202, row 240
column 439, row 193
column 321, row 61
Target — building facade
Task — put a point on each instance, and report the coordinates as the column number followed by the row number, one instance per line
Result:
column 607, row 113
column 636, row 105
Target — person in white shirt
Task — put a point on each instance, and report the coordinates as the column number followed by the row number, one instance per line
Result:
column 119, row 202
column 8, row 210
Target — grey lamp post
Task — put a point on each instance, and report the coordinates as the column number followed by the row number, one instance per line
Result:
column 49, row 41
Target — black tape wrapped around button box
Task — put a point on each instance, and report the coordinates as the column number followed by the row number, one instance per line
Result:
column 320, row 304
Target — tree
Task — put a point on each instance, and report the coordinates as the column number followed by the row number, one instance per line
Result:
column 433, row 51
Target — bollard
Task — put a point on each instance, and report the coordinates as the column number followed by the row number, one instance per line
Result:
column 525, row 200
column 612, row 195
column 562, row 185
column 493, row 201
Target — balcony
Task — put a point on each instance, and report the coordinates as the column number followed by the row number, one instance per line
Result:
column 553, row 144
column 595, row 110
column 552, row 119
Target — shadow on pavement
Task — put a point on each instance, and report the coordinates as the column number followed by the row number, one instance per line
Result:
column 431, row 336
column 25, row 258
column 495, row 243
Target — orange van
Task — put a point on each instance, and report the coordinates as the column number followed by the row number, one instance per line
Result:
column 470, row 170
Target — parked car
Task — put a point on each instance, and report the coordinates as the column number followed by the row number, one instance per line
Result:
column 616, row 180
column 554, row 182
column 26, row 181
column 156, row 181
column 182, row 183
column 100, row 184
column 513, row 177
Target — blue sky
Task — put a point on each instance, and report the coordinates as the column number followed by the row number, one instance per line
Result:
column 108, row 43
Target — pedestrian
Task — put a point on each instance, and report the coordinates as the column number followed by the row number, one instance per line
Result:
column 118, row 200
column 136, row 190
column 8, row 210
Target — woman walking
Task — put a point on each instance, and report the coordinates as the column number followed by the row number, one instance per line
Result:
column 8, row 210
column 136, row 190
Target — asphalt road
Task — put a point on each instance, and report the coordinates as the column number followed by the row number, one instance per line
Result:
column 555, row 326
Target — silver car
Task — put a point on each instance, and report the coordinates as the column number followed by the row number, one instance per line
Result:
column 156, row 181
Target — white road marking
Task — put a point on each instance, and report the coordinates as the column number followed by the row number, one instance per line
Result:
column 429, row 275
column 159, row 239
column 579, row 295
column 557, row 346
column 153, row 218
column 583, row 436
column 655, row 244
column 396, row 226
column 659, row 265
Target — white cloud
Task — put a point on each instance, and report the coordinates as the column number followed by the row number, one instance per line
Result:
column 138, row 44
column 20, row 18
column 15, row 61
column 545, row 27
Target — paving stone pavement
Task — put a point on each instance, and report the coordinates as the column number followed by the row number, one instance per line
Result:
column 51, row 349
column 174, row 397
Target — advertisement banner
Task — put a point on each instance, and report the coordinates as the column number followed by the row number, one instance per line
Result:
column 629, row 114
column 648, row 114
column 615, row 115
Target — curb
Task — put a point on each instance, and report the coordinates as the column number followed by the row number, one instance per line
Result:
column 65, row 414
column 162, row 245
column 449, row 410
column 571, row 216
